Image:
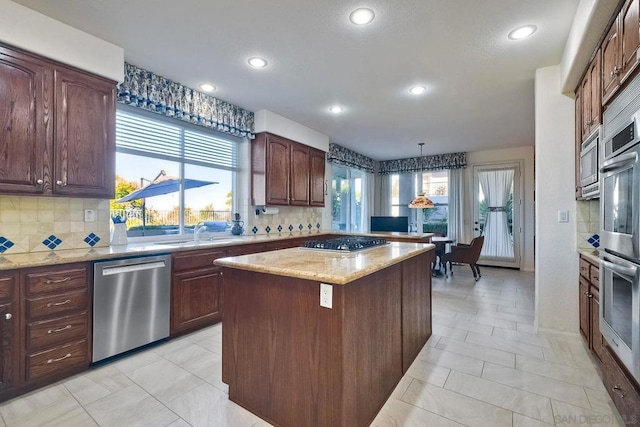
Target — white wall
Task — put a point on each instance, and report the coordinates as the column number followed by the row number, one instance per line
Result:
column 556, row 261
column 27, row 29
column 525, row 155
column 267, row 121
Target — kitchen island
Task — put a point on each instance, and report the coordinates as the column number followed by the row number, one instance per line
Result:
column 295, row 363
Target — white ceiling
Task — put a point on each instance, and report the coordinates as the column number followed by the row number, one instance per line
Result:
column 480, row 83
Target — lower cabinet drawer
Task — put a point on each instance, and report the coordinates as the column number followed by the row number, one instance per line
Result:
column 56, row 305
column 622, row 392
column 56, row 360
column 56, row 331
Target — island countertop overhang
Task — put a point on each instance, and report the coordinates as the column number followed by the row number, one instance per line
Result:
column 326, row 266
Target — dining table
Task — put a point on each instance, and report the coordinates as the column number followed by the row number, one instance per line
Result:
column 441, row 246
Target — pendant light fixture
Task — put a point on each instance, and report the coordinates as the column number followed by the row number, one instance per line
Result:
column 421, row 201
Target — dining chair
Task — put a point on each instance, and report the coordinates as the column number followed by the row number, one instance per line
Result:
column 465, row 254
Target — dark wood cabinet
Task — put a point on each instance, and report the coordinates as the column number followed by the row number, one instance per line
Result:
column 84, row 160
column 620, row 49
column 196, row 290
column 196, row 299
column 610, row 53
column 629, row 23
column 26, row 99
column 585, row 311
column 57, row 136
column 590, row 93
column 278, row 170
column 285, row 172
column 57, row 329
column 624, row 393
column 317, row 182
column 578, row 141
column 589, row 304
column 9, row 332
column 300, row 170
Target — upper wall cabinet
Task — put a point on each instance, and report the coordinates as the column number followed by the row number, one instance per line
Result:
column 578, row 141
column 25, row 101
column 84, row 136
column 318, row 185
column 285, row 172
column 591, row 105
column 57, row 128
column 620, row 49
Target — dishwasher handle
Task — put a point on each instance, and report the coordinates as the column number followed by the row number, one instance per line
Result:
column 119, row 269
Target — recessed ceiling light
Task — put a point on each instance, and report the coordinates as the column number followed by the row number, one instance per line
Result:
column 522, row 32
column 362, row 16
column 336, row 109
column 417, row 90
column 207, row 87
column 257, row 62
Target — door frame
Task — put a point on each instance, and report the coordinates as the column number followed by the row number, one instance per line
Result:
column 518, row 188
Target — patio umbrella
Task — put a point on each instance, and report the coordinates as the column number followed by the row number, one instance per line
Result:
column 163, row 185
column 159, row 186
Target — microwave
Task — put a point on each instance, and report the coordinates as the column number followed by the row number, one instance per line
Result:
column 589, row 164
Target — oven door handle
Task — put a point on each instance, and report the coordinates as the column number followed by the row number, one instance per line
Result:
column 620, row 269
column 620, row 162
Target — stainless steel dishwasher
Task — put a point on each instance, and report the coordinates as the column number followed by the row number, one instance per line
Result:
column 130, row 303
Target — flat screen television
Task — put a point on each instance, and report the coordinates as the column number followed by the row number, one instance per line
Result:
column 389, row 223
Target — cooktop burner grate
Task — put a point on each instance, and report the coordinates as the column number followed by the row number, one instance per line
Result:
column 347, row 244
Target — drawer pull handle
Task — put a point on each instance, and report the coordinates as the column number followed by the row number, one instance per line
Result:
column 53, row 331
column 617, row 389
column 50, row 282
column 66, row 356
column 8, row 316
column 56, row 304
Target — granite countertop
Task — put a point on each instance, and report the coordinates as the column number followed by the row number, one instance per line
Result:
column 591, row 255
column 34, row 259
column 326, row 266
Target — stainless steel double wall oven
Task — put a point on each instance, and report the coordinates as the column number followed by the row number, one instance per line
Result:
column 620, row 229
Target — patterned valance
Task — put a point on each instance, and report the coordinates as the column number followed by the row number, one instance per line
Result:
column 144, row 89
column 424, row 163
column 343, row 156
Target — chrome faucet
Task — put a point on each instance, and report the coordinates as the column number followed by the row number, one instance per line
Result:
column 199, row 228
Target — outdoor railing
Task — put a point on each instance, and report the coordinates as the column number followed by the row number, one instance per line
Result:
column 172, row 217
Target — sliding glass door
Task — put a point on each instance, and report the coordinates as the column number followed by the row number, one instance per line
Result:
column 347, row 188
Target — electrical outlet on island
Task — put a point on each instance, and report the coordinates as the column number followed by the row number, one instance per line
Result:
column 326, row 295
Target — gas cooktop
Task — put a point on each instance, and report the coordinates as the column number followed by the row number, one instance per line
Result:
column 346, row 244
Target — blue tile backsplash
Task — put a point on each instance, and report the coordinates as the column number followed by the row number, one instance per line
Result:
column 91, row 239
column 5, row 244
column 52, row 242
column 43, row 224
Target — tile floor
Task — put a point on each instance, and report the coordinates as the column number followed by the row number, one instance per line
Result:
column 483, row 366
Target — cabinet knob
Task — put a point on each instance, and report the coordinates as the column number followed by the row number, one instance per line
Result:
column 39, row 181
column 617, row 389
column 58, row 182
column 8, row 316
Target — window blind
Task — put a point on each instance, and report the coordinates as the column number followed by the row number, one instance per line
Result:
column 138, row 134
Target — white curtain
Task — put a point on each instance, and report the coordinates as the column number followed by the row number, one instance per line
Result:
column 368, row 191
column 383, row 201
column 496, row 186
column 456, row 204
